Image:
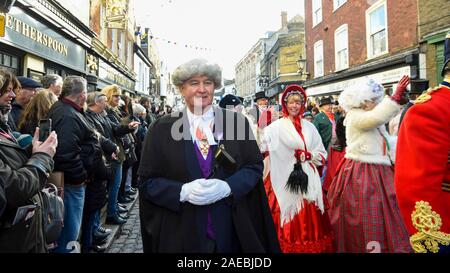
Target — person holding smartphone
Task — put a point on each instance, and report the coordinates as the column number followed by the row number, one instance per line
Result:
column 22, row 177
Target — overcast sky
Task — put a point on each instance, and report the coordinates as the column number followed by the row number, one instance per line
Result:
column 228, row 27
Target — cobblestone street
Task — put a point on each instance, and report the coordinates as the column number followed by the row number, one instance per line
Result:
column 128, row 239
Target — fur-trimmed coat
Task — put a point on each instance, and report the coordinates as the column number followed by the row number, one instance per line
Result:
column 364, row 130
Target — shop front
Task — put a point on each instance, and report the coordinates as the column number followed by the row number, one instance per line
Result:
column 32, row 48
column 387, row 72
column 108, row 75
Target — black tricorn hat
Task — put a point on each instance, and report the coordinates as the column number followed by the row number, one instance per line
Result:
column 260, row 95
column 229, row 100
column 325, row 101
column 446, row 66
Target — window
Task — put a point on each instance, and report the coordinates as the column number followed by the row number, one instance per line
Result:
column 277, row 67
column 439, row 60
column 338, row 3
column 103, row 28
column 122, row 46
column 317, row 11
column 9, row 62
column 114, row 41
column 318, row 59
column 341, row 47
column 376, row 24
column 129, row 56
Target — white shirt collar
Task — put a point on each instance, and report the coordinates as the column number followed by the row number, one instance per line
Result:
column 206, row 116
column 205, row 121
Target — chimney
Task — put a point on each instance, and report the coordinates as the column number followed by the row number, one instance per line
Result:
column 284, row 19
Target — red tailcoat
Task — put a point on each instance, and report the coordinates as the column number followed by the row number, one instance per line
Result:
column 422, row 169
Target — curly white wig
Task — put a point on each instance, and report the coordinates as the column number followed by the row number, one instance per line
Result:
column 197, row 67
column 356, row 95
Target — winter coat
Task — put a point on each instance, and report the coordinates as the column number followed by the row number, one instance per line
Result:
column 366, row 133
column 78, row 146
column 21, row 179
column 325, row 128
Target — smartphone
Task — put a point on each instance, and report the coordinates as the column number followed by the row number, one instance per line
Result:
column 45, row 127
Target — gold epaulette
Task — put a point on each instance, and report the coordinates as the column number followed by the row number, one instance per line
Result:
column 426, row 95
column 428, row 223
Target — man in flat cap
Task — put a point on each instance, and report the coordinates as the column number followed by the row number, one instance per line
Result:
column 23, row 97
column 325, row 121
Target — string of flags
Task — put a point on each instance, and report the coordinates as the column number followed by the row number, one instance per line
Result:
column 143, row 37
column 166, row 3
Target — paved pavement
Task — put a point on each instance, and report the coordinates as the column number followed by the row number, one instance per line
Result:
column 127, row 238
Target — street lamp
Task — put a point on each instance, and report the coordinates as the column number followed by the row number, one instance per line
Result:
column 301, row 64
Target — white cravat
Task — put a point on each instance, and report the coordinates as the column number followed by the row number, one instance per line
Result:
column 205, row 124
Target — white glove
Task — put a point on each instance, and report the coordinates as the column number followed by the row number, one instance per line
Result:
column 316, row 159
column 211, row 191
column 187, row 188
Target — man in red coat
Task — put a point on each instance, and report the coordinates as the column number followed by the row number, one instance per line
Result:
column 422, row 167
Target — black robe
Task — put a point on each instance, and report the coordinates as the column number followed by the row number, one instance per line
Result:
column 242, row 222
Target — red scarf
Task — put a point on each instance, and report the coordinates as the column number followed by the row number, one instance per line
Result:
column 330, row 116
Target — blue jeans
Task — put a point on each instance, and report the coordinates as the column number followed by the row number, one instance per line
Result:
column 73, row 206
column 91, row 221
column 129, row 178
column 96, row 223
column 113, row 188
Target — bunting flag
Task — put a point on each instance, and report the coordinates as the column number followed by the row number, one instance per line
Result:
column 144, row 36
column 167, row 3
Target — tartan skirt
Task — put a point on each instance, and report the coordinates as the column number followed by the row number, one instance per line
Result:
column 364, row 212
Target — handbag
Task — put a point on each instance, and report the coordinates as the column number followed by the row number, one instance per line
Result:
column 53, row 213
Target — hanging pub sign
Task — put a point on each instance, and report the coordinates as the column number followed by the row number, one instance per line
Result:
column 116, row 14
column 2, row 25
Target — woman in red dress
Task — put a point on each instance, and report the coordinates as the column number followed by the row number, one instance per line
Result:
column 293, row 184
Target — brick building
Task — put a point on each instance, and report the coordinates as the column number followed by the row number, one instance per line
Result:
column 113, row 22
column 348, row 40
column 434, row 23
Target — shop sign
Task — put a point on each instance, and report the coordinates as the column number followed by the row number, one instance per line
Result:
column 384, row 77
column 25, row 32
column 111, row 74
